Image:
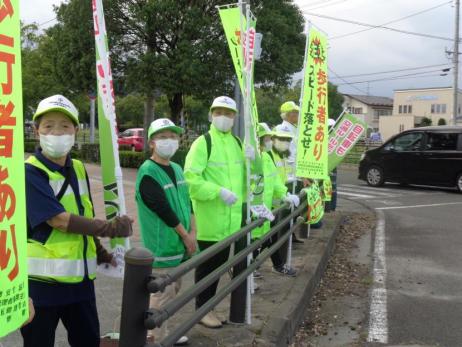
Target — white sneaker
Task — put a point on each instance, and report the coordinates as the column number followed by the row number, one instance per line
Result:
column 182, row 341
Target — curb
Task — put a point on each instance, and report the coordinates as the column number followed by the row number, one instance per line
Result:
column 279, row 331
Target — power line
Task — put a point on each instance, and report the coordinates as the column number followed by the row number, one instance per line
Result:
column 324, row 5
column 48, row 21
column 393, row 21
column 416, row 75
column 346, row 82
column 391, row 71
column 381, row 27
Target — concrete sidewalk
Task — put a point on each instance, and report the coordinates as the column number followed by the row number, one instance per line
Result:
column 277, row 306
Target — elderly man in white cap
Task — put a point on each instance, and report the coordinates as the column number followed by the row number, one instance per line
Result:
column 164, row 211
column 215, row 172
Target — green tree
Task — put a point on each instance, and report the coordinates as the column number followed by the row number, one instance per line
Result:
column 425, row 122
column 130, row 111
column 442, row 121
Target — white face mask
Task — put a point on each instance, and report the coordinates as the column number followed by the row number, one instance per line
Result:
column 281, row 146
column 57, row 146
column 166, row 148
column 223, row 123
column 268, row 146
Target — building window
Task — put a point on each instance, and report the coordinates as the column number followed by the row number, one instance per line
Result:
column 400, row 109
column 356, row 110
column 409, row 108
column 438, row 108
column 405, row 109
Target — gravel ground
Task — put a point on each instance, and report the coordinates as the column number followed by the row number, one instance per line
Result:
column 338, row 312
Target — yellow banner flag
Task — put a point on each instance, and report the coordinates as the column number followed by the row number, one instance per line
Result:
column 13, row 230
column 311, row 161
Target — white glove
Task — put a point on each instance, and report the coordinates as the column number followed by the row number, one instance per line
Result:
column 228, row 197
column 249, row 153
column 292, row 199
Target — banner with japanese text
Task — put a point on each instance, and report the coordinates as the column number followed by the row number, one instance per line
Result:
column 14, row 296
column 343, row 137
column 114, row 199
column 311, row 160
column 232, row 18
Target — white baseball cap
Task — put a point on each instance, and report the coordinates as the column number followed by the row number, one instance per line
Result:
column 330, row 122
column 282, row 131
column 225, row 102
column 57, row 103
column 163, row 124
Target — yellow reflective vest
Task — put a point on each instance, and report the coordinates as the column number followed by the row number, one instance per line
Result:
column 273, row 189
column 64, row 257
column 282, row 166
column 225, row 168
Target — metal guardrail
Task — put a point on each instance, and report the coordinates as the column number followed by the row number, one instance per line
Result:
column 139, row 282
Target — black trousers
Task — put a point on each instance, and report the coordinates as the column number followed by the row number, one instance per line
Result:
column 212, row 264
column 79, row 319
column 276, row 257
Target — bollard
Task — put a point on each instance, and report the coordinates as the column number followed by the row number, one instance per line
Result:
column 135, row 297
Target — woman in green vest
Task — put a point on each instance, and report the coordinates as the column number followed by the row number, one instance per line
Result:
column 274, row 191
column 164, row 211
column 62, row 247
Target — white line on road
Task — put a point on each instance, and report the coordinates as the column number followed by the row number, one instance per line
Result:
column 417, row 206
column 378, row 320
column 355, row 195
column 362, row 190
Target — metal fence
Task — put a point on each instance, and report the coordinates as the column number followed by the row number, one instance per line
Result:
column 139, row 282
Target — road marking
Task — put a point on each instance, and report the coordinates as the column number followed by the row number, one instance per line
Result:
column 356, row 195
column 362, row 190
column 378, row 319
column 417, row 206
column 375, row 189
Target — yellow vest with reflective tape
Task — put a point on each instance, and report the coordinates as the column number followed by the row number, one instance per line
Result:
column 64, row 256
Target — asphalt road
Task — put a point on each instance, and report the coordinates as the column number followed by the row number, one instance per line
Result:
column 416, row 297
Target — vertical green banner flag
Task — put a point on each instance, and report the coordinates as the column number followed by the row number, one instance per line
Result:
column 311, row 161
column 231, row 18
column 114, row 199
column 14, row 296
column 343, row 137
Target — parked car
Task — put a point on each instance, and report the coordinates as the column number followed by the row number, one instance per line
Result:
column 134, row 138
column 425, row 156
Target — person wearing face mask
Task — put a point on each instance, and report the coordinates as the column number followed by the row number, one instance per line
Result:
column 164, row 209
column 274, row 191
column 215, row 172
column 63, row 247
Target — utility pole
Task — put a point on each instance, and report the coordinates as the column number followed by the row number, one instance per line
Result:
column 455, row 106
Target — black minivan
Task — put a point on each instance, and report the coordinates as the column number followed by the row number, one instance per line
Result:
column 426, row 156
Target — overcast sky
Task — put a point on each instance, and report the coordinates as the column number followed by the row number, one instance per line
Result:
column 371, row 51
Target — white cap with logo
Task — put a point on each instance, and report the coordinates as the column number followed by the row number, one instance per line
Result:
column 163, row 124
column 225, row 102
column 57, row 103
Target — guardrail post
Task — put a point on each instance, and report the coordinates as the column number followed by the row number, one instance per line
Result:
column 239, row 295
column 135, row 297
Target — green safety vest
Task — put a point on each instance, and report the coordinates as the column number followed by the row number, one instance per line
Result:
column 64, row 256
column 282, row 167
column 273, row 189
column 327, row 189
column 315, row 203
column 225, row 168
column 162, row 240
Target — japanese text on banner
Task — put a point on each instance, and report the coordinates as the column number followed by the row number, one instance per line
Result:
column 13, row 262
column 311, row 161
column 343, row 138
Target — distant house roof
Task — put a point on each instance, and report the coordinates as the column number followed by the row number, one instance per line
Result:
column 427, row 88
column 372, row 100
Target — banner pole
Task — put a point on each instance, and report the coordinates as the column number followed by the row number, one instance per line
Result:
column 294, row 183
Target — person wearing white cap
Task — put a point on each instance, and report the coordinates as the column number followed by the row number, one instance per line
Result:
column 164, row 211
column 289, row 114
column 215, row 172
column 63, row 248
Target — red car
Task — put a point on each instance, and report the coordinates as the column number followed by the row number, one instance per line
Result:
column 134, row 138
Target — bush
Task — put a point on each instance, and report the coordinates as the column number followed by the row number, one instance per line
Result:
column 30, row 146
column 125, row 148
column 131, row 159
column 89, row 152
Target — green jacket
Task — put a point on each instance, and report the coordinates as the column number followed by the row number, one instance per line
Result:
column 64, row 256
column 225, row 168
column 163, row 241
column 274, row 189
column 282, row 166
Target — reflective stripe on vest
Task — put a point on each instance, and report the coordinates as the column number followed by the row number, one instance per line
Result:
column 59, row 267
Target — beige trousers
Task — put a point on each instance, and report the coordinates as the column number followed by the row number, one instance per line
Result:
column 159, row 299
